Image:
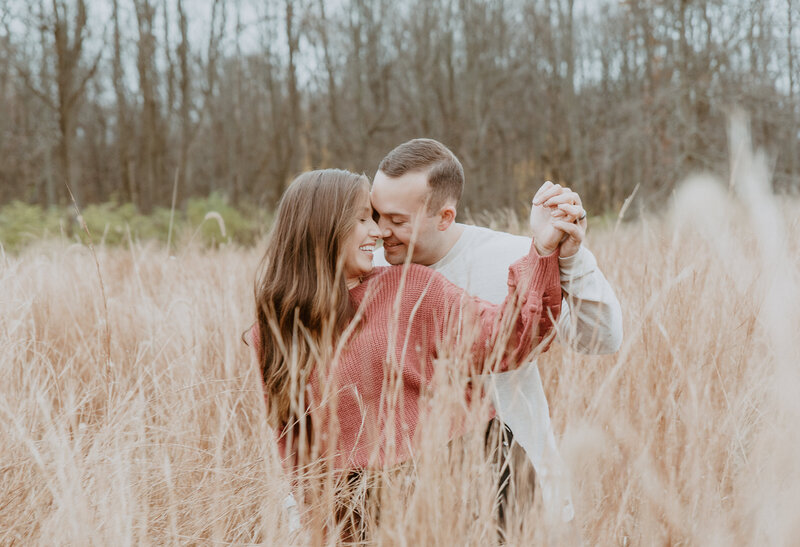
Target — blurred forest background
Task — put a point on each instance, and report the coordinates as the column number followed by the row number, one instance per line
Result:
column 126, row 100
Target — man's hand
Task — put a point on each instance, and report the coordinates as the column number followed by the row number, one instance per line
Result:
column 556, row 220
column 546, row 237
column 575, row 231
column 570, row 218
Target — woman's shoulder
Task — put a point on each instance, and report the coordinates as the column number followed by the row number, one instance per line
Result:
column 395, row 274
column 412, row 279
column 419, row 287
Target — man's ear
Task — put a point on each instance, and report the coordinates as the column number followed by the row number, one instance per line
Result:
column 447, row 215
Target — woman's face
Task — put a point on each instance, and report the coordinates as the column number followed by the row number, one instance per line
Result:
column 360, row 244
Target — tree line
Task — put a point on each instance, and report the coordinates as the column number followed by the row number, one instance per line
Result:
column 139, row 100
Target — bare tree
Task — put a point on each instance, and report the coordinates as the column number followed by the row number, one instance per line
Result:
column 123, row 116
column 65, row 27
column 604, row 99
column 152, row 146
column 187, row 129
column 294, row 124
column 791, row 107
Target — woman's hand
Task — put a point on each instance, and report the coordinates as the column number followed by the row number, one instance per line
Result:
column 558, row 220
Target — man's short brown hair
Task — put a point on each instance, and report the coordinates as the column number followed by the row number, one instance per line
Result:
column 445, row 174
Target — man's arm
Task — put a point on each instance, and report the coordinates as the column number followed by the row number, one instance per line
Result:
column 591, row 317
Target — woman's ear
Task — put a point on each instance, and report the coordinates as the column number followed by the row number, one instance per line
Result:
column 447, row 215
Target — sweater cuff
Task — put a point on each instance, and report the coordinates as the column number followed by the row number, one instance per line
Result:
column 576, row 265
column 541, row 270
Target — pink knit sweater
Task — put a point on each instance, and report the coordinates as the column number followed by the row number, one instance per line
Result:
column 367, row 406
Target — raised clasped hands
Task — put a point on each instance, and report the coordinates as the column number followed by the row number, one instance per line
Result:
column 558, row 220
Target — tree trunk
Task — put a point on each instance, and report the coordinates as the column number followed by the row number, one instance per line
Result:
column 149, row 150
column 294, row 123
column 70, row 86
column 185, row 91
column 792, row 121
column 123, row 136
column 572, row 108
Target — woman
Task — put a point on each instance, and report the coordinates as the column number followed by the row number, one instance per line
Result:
column 347, row 350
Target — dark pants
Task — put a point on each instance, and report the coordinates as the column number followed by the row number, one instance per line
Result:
column 499, row 447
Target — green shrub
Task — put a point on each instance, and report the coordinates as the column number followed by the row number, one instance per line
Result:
column 216, row 221
column 21, row 223
column 209, row 221
column 109, row 223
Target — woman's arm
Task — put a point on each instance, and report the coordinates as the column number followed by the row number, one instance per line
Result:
column 503, row 336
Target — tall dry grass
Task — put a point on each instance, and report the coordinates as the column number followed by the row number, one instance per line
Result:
column 687, row 436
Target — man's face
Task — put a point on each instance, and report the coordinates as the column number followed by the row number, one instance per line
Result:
column 401, row 208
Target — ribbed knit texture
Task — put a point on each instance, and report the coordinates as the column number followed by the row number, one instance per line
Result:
column 367, row 408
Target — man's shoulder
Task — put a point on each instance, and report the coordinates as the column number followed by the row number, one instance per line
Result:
column 483, row 251
column 478, row 236
column 481, row 262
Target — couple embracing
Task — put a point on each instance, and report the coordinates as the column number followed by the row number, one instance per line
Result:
column 348, row 337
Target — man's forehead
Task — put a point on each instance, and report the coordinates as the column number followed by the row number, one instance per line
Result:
column 400, row 195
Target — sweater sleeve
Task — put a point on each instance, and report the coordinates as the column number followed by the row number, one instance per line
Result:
column 503, row 336
column 591, row 317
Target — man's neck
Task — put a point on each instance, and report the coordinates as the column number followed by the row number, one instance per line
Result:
column 447, row 241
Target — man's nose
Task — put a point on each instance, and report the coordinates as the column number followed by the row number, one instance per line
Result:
column 383, row 226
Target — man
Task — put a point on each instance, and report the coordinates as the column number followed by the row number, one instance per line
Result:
column 415, row 194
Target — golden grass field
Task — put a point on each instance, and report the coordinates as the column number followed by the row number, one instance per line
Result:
column 133, row 414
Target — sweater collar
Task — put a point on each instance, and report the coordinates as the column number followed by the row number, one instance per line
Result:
column 461, row 245
column 357, row 292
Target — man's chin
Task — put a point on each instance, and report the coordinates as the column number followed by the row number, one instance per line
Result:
column 394, row 256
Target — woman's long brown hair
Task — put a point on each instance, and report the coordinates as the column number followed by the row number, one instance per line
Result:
column 302, row 302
